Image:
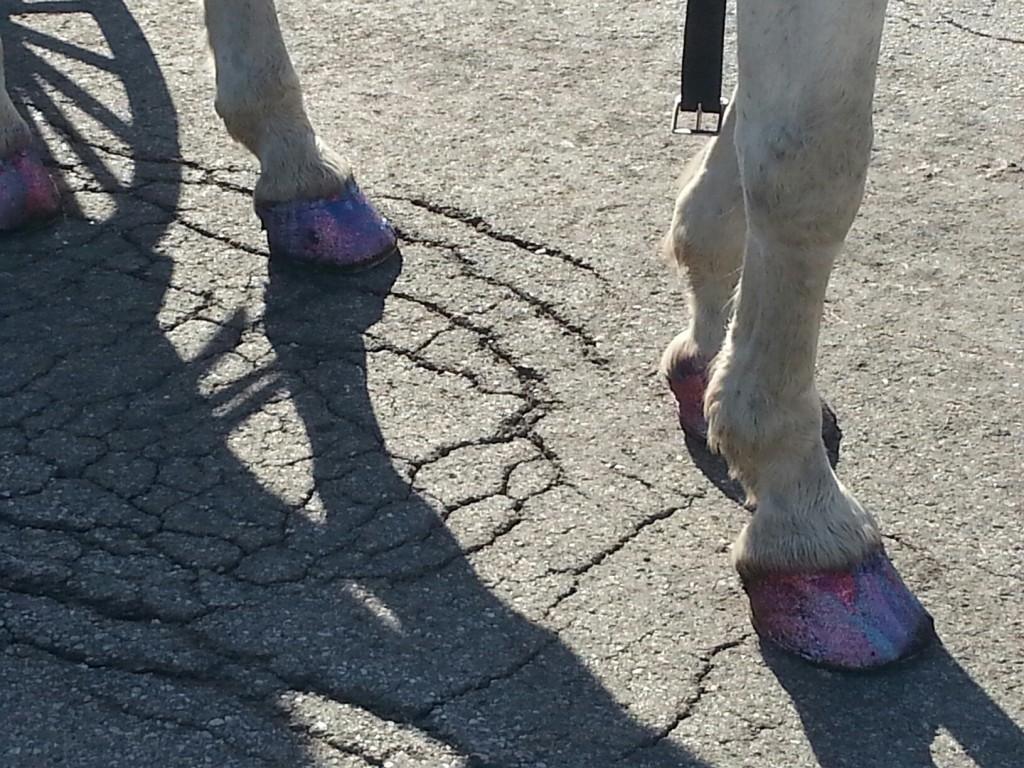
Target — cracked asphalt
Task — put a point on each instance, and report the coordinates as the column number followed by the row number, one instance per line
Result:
column 438, row 514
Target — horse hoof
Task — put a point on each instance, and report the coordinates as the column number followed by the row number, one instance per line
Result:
column 860, row 619
column 689, row 379
column 28, row 196
column 343, row 231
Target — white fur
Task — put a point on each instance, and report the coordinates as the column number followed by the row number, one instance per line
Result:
column 795, row 147
column 706, row 238
column 260, row 101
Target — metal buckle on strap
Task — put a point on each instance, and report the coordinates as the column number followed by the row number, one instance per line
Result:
column 700, row 72
column 698, row 127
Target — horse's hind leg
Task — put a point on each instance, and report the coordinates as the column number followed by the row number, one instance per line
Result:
column 27, row 194
column 306, row 196
column 706, row 242
column 811, row 558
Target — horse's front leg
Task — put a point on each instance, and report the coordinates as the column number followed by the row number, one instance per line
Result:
column 306, row 196
column 811, row 558
column 27, row 194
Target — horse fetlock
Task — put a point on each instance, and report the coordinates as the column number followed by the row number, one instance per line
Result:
column 711, row 264
column 682, row 356
column 295, row 167
column 806, row 528
column 685, row 371
column 267, row 116
column 710, row 295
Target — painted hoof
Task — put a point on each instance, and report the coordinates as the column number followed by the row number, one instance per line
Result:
column 688, row 381
column 860, row 619
column 344, row 231
column 28, row 196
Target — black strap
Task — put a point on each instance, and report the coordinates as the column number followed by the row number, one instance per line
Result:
column 703, row 43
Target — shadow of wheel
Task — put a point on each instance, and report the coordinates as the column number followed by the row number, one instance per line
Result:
column 88, row 82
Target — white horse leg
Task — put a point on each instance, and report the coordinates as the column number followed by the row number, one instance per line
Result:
column 27, row 194
column 811, row 558
column 306, row 196
column 705, row 240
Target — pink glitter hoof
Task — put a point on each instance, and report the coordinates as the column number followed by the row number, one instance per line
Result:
column 28, row 196
column 344, row 231
column 859, row 619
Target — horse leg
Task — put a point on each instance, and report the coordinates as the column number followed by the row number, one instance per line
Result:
column 811, row 558
column 705, row 240
column 27, row 194
column 306, row 196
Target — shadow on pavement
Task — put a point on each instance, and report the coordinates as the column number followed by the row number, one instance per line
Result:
column 147, row 572
column 442, row 652
column 714, row 467
column 892, row 718
column 147, row 568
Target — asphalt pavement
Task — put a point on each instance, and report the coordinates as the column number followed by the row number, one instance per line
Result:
column 439, row 514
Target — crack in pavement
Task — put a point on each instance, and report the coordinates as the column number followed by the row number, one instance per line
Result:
column 978, row 33
column 481, row 225
column 542, row 308
column 143, row 592
column 690, row 703
column 580, row 571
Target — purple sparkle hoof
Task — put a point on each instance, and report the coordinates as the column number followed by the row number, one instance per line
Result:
column 344, row 231
column 859, row 619
column 28, row 196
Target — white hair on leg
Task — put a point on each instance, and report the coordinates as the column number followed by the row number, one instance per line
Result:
column 260, row 100
column 705, row 241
